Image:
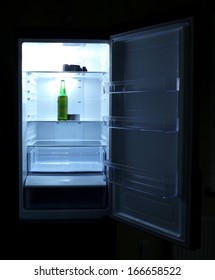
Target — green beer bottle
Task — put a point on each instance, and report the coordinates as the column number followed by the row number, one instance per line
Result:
column 62, row 103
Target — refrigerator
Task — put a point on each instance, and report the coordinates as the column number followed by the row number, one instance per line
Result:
column 126, row 150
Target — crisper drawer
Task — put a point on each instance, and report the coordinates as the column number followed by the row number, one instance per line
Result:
column 86, row 191
column 65, row 159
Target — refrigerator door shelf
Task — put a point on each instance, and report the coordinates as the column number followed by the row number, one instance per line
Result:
column 146, row 85
column 153, row 213
column 164, row 186
column 143, row 124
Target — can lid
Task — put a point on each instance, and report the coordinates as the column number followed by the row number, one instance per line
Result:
column 75, row 117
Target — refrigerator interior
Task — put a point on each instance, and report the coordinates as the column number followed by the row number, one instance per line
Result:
column 62, row 161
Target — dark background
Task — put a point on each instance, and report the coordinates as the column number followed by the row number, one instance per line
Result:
column 106, row 239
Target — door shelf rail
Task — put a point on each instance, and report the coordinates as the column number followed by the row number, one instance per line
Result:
column 147, row 85
column 161, row 185
column 143, row 124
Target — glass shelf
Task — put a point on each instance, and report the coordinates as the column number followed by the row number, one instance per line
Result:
column 66, row 74
column 67, row 143
column 88, row 120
